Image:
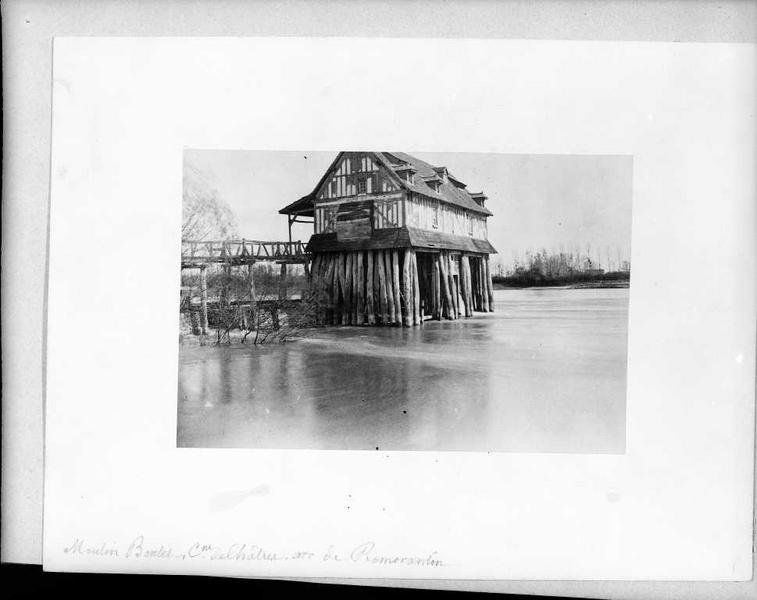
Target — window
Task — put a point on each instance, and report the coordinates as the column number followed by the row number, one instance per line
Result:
column 361, row 186
column 435, row 216
column 469, row 223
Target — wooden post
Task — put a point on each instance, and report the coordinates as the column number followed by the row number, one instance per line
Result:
column 484, row 293
column 203, row 300
column 283, row 292
column 315, row 285
column 449, row 309
column 328, row 286
column 389, row 285
column 436, row 285
column 342, row 271
column 307, row 270
column 489, row 285
column 253, row 304
column 466, row 286
column 453, row 287
column 348, row 288
column 407, row 289
column 369, row 308
column 474, row 287
column 335, row 283
column 383, row 298
column 416, row 288
column 396, row 285
column 360, row 313
column 460, row 287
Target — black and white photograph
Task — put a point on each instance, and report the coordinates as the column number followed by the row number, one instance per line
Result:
column 360, row 300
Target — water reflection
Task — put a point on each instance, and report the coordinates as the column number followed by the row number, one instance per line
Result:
column 544, row 373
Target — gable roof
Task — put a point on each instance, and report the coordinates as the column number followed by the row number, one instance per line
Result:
column 451, row 191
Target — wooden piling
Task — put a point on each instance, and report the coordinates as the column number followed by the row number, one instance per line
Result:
column 475, row 284
column 464, row 285
column 396, row 287
column 416, row 288
column 468, row 285
column 203, row 300
column 489, row 285
column 452, row 286
column 253, row 303
column 436, row 286
column 283, row 292
column 407, row 290
column 360, row 284
column 369, row 305
column 383, row 296
column 348, row 288
column 329, row 289
column 389, row 283
column 449, row 310
column 484, row 292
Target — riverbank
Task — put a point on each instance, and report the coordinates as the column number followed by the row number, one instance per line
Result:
column 564, row 286
column 614, row 279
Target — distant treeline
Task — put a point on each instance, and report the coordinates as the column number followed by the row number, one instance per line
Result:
column 562, row 268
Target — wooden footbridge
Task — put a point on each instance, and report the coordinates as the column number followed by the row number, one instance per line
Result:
column 195, row 254
column 199, row 254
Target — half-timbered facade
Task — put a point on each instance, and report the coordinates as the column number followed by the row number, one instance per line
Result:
column 396, row 240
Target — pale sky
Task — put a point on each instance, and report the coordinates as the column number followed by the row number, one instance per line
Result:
column 538, row 201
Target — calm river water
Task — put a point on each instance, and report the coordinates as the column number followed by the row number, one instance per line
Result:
column 546, row 372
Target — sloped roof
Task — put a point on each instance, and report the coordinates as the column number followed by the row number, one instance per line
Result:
column 448, row 192
column 303, row 206
column 401, row 237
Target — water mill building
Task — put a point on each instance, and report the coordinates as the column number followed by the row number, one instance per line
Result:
column 396, row 241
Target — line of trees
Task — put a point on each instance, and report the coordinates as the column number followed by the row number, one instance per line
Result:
column 561, row 267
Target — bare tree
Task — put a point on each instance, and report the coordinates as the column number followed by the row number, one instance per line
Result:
column 205, row 215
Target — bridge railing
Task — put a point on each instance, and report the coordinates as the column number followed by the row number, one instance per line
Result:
column 206, row 251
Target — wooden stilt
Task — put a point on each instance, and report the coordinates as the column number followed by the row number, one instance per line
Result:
column 453, row 286
column 449, row 310
column 469, row 287
column 348, row 287
column 436, row 279
column 484, row 291
column 204, row 300
column 463, row 286
column 314, row 286
column 341, row 267
column 389, row 285
column 369, row 308
column 380, row 284
column 416, row 288
column 329, row 289
column 489, row 285
column 407, row 289
column 251, row 315
column 283, row 292
column 360, row 313
column 475, row 286
column 396, row 275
